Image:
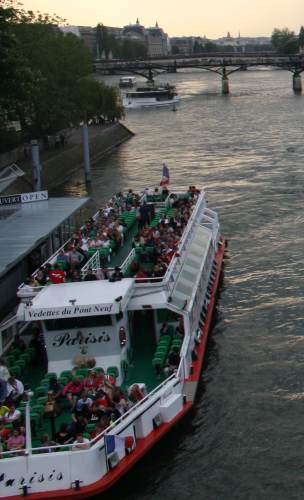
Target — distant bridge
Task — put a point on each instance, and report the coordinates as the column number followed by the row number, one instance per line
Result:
column 222, row 64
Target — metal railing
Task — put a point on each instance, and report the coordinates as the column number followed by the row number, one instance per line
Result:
column 69, row 447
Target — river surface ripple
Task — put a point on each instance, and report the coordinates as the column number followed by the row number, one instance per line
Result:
column 244, row 439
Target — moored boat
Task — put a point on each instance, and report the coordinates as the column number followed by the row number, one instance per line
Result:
column 136, row 316
column 127, row 81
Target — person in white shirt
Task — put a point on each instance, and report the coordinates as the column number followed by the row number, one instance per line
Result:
column 81, row 443
column 15, row 389
column 12, row 415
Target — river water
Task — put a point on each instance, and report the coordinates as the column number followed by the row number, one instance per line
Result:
column 244, row 439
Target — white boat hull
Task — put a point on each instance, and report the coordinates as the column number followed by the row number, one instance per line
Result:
column 148, row 102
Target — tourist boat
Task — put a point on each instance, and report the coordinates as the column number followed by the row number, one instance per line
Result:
column 117, row 322
column 155, row 96
column 127, row 81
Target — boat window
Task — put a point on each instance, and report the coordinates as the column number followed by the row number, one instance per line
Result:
column 82, row 322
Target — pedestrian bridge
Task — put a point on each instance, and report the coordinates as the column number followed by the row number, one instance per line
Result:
column 222, row 64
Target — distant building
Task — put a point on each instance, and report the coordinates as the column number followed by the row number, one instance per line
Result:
column 182, row 45
column 135, row 32
column 241, row 44
column 157, row 42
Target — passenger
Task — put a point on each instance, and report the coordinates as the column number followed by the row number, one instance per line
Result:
column 63, row 436
column 46, row 443
column 135, row 393
column 16, row 441
column 56, row 388
column 51, row 407
column 173, row 362
column 84, row 405
column 15, row 390
column 72, row 390
column 81, row 443
column 13, row 415
column 77, row 426
column 4, row 432
column 117, row 275
column 165, row 330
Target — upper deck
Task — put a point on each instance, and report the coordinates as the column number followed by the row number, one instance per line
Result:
column 145, row 235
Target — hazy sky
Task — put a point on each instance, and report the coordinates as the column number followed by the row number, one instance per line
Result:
column 212, row 18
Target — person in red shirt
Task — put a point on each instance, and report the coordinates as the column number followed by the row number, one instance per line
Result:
column 4, row 432
column 72, row 390
column 56, row 275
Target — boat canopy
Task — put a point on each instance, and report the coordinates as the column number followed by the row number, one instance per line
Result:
column 87, row 298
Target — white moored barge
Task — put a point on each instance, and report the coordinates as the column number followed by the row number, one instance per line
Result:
column 133, row 313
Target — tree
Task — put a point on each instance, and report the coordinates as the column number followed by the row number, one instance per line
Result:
column 284, row 41
column 301, row 38
column 45, row 74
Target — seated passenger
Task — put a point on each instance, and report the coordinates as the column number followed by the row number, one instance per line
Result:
column 90, row 383
column 173, row 362
column 4, row 432
column 16, row 441
column 46, row 443
column 51, row 406
column 72, row 390
column 63, row 436
column 12, row 415
column 81, row 443
column 135, row 394
column 14, row 390
column 83, row 405
column 56, row 388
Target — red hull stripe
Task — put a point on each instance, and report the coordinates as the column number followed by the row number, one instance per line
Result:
column 145, row 444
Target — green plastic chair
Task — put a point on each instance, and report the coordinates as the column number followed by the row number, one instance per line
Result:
column 40, row 391
column 15, row 371
column 90, row 427
column 31, row 351
column 26, row 357
column 42, row 400
column 67, row 373
column 35, row 422
column 10, row 360
column 159, row 361
column 161, row 351
column 113, row 370
column 63, row 380
column 51, row 375
column 82, row 371
column 21, row 363
column 38, row 409
column 45, row 382
column 164, row 338
column 87, row 436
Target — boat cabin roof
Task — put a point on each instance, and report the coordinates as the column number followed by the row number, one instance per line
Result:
column 68, row 300
column 23, row 227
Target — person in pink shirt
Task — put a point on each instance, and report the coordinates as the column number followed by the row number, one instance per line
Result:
column 16, row 441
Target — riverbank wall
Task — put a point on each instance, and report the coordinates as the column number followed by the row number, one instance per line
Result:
column 58, row 164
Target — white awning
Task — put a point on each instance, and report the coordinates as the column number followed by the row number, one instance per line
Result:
column 87, row 298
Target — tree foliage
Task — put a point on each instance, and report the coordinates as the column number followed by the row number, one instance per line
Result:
column 284, row 41
column 107, row 44
column 45, row 75
column 301, row 37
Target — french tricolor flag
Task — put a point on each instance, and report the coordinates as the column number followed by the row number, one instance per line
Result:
column 118, row 444
column 166, row 176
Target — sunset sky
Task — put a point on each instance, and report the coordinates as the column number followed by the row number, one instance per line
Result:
column 177, row 18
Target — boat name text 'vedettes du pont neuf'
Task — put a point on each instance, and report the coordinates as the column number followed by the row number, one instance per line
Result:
column 114, row 325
